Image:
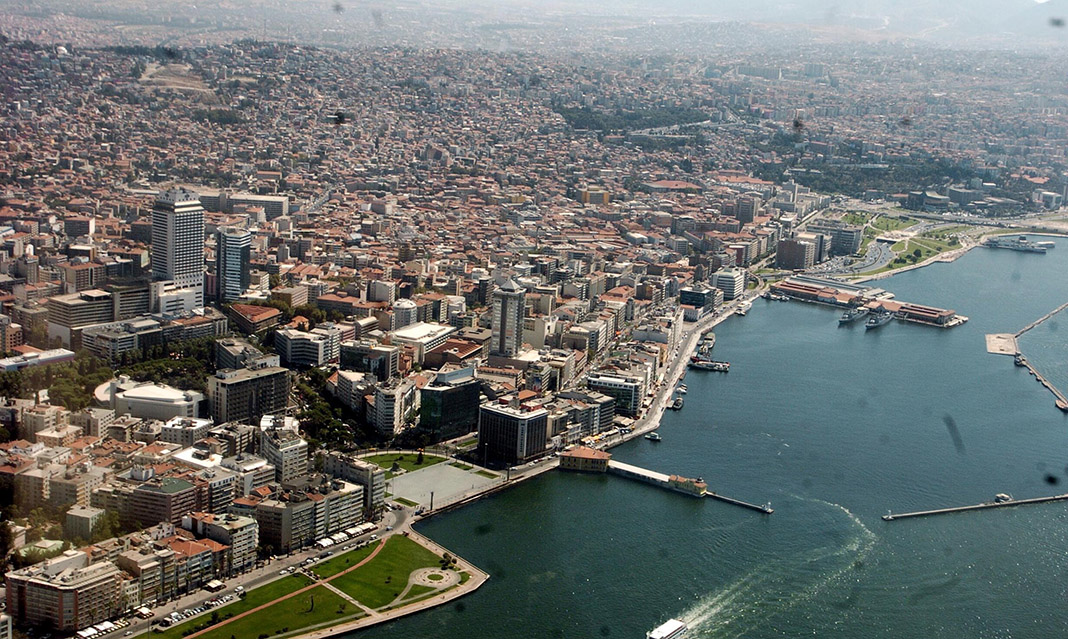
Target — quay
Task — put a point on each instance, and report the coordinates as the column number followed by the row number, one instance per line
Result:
column 983, row 506
column 844, row 295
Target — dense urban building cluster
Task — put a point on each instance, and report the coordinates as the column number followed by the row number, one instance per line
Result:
column 225, row 268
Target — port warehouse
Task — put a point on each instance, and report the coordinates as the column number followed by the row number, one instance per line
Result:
column 845, row 295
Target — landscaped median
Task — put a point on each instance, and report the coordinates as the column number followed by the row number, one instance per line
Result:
column 378, row 581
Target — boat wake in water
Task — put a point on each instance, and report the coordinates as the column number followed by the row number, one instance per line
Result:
column 761, row 602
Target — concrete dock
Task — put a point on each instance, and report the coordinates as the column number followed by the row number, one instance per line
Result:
column 983, row 506
column 1002, row 344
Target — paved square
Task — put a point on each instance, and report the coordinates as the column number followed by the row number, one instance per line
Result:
column 448, row 483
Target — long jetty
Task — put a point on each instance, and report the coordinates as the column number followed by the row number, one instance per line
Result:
column 983, row 506
column 679, row 484
column 1042, row 319
column 1062, row 401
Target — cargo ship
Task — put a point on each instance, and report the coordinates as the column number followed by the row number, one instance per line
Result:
column 1018, row 243
column 853, row 314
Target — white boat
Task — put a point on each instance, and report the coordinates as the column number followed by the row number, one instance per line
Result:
column 670, row 629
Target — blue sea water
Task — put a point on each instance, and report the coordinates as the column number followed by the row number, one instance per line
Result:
column 835, row 426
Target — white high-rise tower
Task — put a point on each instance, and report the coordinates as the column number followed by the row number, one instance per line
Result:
column 178, row 241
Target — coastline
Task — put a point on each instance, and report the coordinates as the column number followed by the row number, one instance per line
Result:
column 477, row 579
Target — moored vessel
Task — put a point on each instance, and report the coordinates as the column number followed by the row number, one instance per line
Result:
column 705, row 364
column 1017, row 243
column 879, row 319
column 653, row 436
column 853, row 314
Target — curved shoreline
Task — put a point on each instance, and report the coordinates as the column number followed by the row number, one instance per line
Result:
column 478, row 578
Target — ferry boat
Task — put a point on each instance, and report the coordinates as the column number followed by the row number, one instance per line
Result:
column 708, row 341
column 1018, row 243
column 670, row 629
column 853, row 314
column 743, row 308
column 653, row 436
column 705, row 364
column 877, row 320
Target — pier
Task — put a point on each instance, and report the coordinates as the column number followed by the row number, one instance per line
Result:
column 1041, row 319
column 1007, row 344
column 677, row 483
column 1062, row 401
column 983, row 506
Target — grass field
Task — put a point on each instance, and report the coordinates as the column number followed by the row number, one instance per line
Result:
column 406, row 461
column 886, row 224
column 311, row 608
column 461, row 466
column 406, row 502
column 856, row 218
column 487, row 474
column 384, row 577
column 334, row 565
column 258, row 597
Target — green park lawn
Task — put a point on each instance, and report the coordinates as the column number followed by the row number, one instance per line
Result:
column 487, row 474
column 380, row 581
column 856, row 218
column 317, row 606
column 257, row 597
column 886, row 223
column 334, row 565
column 407, row 461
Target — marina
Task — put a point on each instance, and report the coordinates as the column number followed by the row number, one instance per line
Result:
column 1001, row 501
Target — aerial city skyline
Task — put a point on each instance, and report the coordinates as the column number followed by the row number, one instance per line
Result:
column 345, row 319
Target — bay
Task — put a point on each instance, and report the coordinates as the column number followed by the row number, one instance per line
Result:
column 835, row 426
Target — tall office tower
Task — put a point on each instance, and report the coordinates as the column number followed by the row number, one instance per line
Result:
column 232, row 271
column 178, row 241
column 508, row 309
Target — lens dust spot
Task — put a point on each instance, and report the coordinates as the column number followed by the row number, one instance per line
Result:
column 483, row 529
column 1052, row 480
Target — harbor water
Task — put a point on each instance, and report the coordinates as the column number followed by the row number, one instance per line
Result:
column 835, row 426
